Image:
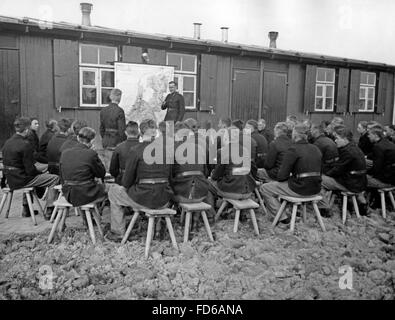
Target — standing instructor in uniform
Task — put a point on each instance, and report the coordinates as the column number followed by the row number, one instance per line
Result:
column 175, row 104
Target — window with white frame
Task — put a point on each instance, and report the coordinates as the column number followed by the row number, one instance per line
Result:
column 185, row 73
column 367, row 90
column 96, row 74
column 325, row 89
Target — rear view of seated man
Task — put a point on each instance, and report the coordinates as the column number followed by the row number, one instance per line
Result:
column 261, row 142
column 382, row 174
column 119, row 157
column 145, row 182
column 79, row 166
column 54, row 145
column 348, row 172
column 19, row 169
column 303, row 161
column 72, row 139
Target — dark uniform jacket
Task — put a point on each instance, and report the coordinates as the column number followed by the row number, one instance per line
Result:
column 302, row 157
column 32, row 137
column 350, row 169
column 175, row 105
column 275, row 155
column 365, row 145
column 261, row 149
column 119, row 157
column 329, row 152
column 18, row 153
column 53, row 152
column 183, row 181
column 42, row 146
column 383, row 156
column 267, row 134
column 79, row 167
column 226, row 180
column 112, row 125
column 152, row 196
column 70, row 142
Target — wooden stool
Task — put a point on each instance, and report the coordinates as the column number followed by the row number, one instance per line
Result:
column 296, row 202
column 28, row 192
column 188, row 209
column 382, row 197
column 152, row 214
column 90, row 209
column 239, row 205
column 258, row 195
column 354, row 202
column 55, row 210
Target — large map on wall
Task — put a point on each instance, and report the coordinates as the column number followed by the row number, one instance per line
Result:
column 144, row 88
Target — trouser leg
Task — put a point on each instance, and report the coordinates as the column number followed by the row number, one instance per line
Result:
column 45, row 180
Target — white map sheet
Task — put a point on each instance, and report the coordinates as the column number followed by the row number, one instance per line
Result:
column 144, row 88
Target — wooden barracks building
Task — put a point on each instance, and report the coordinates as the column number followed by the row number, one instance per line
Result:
column 43, row 66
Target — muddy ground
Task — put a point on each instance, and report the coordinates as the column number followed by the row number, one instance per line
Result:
column 275, row 265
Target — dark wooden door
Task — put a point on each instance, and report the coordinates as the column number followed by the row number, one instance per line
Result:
column 245, row 94
column 9, row 92
column 274, row 97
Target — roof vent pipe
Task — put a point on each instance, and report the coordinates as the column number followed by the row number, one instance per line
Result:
column 86, row 9
column 196, row 34
column 224, row 34
column 273, row 35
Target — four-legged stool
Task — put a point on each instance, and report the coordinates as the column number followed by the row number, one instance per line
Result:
column 188, row 209
column 239, row 205
column 29, row 193
column 354, row 202
column 382, row 193
column 152, row 214
column 258, row 195
column 296, row 202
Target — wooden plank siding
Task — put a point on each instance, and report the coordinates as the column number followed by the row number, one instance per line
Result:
column 309, row 88
column 295, row 96
column 342, row 91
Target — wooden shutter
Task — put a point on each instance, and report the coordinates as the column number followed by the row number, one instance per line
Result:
column 309, row 89
column 342, row 91
column 208, row 81
column 354, row 90
column 389, row 102
column 382, row 93
column 66, row 73
column 131, row 54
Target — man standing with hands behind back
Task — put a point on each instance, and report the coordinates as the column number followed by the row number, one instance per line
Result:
column 174, row 103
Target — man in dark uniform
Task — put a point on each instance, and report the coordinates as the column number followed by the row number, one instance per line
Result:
column 348, row 173
column 52, row 127
column 119, row 157
column 364, row 142
column 79, row 166
column 327, row 147
column 54, row 145
column 112, row 126
column 262, row 146
column 277, row 149
column 145, row 182
column 32, row 135
column 19, row 169
column 382, row 173
column 303, row 161
column 72, row 139
column 263, row 130
column 174, row 103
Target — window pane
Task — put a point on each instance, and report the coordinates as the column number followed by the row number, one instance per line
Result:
column 107, row 79
column 371, row 79
column 189, row 84
column 361, row 104
column 189, row 97
column 330, row 75
column 174, row 60
column 176, row 80
column 107, row 55
column 370, row 105
column 362, row 93
column 318, row 103
column 328, row 104
column 89, row 78
column 320, row 74
column 370, row 93
column 105, row 96
column 319, row 91
column 364, row 78
column 188, row 63
column 89, row 54
column 89, row 96
column 329, row 91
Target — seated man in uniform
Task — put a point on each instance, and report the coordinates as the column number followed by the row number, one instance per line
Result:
column 327, row 147
column 263, row 130
column 277, row 148
column 261, row 143
column 72, row 139
column 119, row 157
column 348, row 172
column 299, row 174
column 145, row 183
column 52, row 128
column 79, row 167
column 19, row 169
column 54, row 145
